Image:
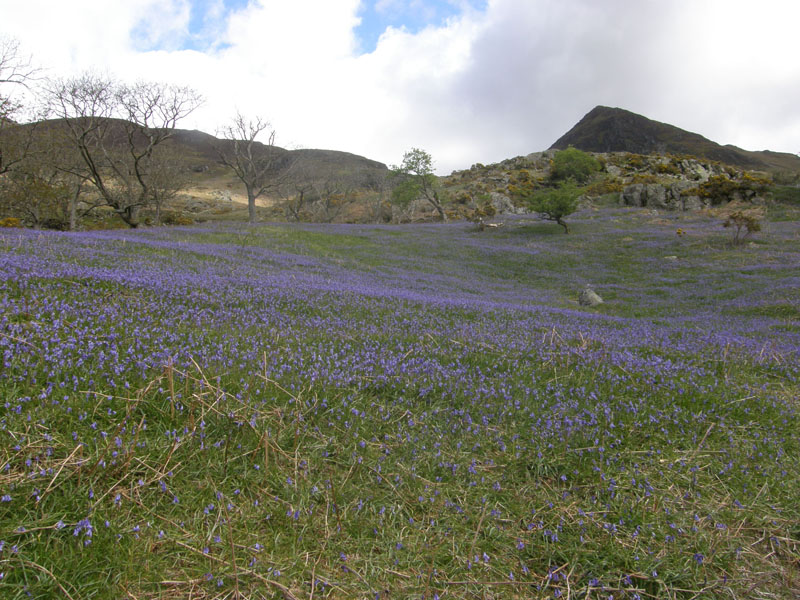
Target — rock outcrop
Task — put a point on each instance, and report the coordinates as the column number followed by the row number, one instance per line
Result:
column 502, row 204
column 674, row 196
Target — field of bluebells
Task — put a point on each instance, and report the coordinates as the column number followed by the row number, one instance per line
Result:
column 341, row 411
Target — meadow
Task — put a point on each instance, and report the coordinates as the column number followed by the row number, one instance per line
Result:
column 420, row 411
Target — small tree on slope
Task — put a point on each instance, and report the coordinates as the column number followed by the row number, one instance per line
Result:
column 416, row 180
column 556, row 203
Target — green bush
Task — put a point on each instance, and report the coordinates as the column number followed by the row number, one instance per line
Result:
column 743, row 225
column 556, row 203
column 608, row 185
column 720, row 188
column 463, row 197
column 644, row 178
column 573, row 164
column 669, row 168
column 522, row 177
column 636, row 161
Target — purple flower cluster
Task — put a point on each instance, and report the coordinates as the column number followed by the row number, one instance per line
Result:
column 450, row 374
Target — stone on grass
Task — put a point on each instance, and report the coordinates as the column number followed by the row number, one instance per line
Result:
column 589, row 297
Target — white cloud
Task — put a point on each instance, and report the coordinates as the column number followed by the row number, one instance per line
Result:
column 163, row 25
column 484, row 86
column 71, row 36
column 388, row 6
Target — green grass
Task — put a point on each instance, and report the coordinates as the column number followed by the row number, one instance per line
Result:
column 786, row 194
column 510, row 452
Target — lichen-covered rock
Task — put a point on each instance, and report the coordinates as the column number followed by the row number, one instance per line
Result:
column 695, row 170
column 502, row 203
column 662, row 196
column 589, row 297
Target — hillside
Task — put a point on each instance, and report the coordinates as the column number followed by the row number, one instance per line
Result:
column 294, row 410
column 334, row 186
column 606, row 129
column 332, row 182
column 199, row 146
column 209, row 180
column 196, row 153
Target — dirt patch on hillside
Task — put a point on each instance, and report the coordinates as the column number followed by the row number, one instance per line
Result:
column 225, row 196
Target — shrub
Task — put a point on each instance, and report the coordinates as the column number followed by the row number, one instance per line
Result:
column 171, row 218
column 743, row 225
column 573, row 164
column 522, row 176
column 669, row 168
column 54, row 223
column 463, row 197
column 608, row 185
column 644, row 178
column 720, row 188
column 10, row 222
column 636, row 161
column 556, row 203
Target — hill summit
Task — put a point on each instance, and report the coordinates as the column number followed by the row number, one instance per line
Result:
column 605, row 129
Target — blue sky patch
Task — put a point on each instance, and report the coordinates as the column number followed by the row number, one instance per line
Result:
column 413, row 15
column 207, row 22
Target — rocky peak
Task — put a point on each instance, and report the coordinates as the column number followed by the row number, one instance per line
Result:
column 605, row 129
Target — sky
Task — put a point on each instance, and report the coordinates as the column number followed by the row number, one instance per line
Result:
column 466, row 80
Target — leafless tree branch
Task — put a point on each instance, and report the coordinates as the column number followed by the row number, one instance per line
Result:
column 261, row 167
column 116, row 129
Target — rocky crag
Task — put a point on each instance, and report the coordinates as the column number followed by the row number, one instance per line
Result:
column 667, row 182
column 644, row 163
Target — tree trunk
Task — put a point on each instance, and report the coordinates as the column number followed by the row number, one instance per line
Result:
column 564, row 225
column 437, row 204
column 251, row 206
column 130, row 214
column 73, row 209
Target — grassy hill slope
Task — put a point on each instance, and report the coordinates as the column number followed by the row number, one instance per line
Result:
column 331, row 411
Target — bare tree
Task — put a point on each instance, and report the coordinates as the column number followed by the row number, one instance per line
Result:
column 62, row 156
column 378, row 186
column 37, row 189
column 168, row 177
column 259, row 166
column 297, row 193
column 16, row 143
column 14, row 67
column 15, row 72
column 333, row 192
column 37, row 194
column 116, row 129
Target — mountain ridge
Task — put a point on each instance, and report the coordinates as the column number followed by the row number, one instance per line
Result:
column 605, row 129
column 205, row 145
